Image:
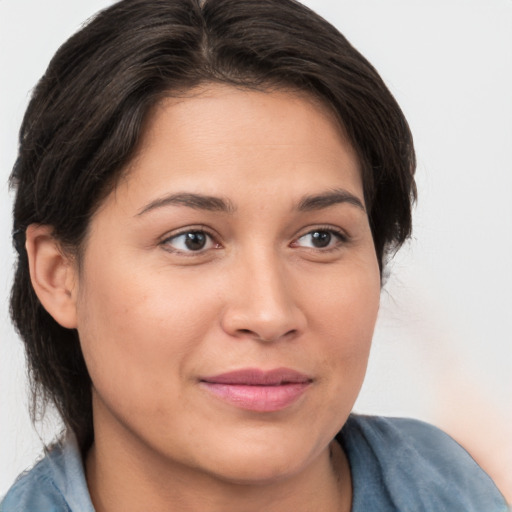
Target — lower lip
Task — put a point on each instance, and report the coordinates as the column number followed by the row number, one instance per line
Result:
column 258, row 398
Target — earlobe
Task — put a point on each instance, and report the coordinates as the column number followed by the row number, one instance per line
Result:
column 53, row 274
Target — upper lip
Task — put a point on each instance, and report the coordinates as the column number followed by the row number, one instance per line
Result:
column 257, row 377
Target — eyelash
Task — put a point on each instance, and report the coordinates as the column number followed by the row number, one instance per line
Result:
column 341, row 237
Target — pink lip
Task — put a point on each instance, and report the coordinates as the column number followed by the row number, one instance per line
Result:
column 257, row 390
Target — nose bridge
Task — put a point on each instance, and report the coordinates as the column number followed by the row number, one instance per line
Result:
column 262, row 304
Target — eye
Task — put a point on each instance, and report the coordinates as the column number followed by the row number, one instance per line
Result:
column 320, row 239
column 190, row 241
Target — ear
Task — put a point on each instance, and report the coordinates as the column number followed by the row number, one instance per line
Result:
column 53, row 274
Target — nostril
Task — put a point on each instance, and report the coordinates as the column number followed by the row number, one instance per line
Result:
column 259, row 337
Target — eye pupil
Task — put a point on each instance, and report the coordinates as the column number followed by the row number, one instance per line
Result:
column 321, row 238
column 195, row 240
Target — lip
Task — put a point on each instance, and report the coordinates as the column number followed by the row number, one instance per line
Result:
column 258, row 390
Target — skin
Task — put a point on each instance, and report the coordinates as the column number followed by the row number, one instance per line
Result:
column 155, row 317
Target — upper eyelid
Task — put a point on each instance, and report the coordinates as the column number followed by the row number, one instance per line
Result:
column 333, row 229
column 189, row 229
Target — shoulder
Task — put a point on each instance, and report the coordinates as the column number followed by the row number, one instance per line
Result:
column 34, row 491
column 54, row 484
column 414, row 466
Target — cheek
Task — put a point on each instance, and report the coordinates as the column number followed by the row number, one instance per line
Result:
column 137, row 330
column 345, row 303
column 343, row 313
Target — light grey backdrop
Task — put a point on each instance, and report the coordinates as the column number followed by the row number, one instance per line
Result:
column 442, row 349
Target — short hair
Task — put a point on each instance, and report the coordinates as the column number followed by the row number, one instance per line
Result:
column 87, row 115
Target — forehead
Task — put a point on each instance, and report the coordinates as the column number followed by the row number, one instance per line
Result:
column 236, row 110
column 220, row 135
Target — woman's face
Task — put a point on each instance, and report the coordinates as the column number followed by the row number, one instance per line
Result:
column 229, row 287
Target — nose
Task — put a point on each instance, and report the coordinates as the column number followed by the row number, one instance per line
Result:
column 263, row 303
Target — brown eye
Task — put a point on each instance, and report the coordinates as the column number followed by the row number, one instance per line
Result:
column 195, row 241
column 320, row 239
column 190, row 241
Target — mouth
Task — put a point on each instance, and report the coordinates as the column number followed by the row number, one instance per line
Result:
column 257, row 390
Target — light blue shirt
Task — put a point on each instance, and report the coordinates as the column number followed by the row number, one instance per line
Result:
column 55, row 484
column 396, row 464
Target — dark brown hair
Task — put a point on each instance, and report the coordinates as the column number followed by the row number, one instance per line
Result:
column 87, row 114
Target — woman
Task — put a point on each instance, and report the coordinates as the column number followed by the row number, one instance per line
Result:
column 206, row 196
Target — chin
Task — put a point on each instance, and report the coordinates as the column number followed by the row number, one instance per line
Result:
column 263, row 460
column 261, row 470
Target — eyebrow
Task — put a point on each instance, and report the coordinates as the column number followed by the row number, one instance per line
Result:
column 218, row 204
column 329, row 198
column 196, row 201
